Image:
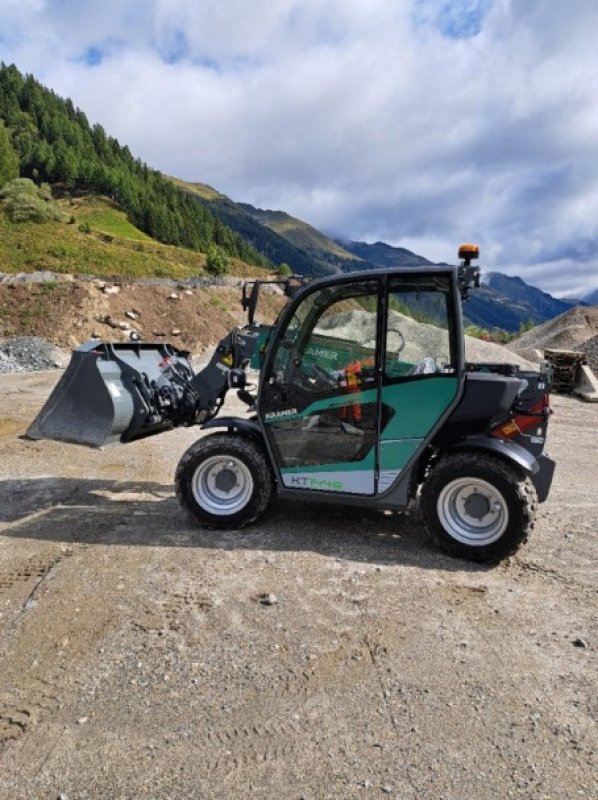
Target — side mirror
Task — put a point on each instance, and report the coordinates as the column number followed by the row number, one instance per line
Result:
column 253, row 298
column 249, row 304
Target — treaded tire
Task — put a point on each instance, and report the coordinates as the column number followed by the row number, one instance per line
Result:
column 193, row 480
column 444, row 493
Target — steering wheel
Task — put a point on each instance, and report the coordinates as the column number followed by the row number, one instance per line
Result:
column 401, row 346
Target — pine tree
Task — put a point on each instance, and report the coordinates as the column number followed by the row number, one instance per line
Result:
column 9, row 161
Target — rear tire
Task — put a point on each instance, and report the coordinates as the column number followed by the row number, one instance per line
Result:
column 224, row 481
column 478, row 507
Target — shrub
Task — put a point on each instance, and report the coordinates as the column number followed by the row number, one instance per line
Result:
column 58, row 251
column 26, row 202
column 217, row 261
column 476, row 331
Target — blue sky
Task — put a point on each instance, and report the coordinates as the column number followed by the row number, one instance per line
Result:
column 422, row 123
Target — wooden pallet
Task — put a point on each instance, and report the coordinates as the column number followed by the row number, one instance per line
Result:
column 565, row 368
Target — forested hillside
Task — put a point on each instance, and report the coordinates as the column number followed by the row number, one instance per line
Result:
column 47, row 139
column 243, row 218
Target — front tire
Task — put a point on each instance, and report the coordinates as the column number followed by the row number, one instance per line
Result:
column 478, row 507
column 224, row 481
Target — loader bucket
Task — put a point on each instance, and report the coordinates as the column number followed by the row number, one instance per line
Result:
column 102, row 396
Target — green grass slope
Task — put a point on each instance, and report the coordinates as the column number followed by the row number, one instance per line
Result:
column 96, row 238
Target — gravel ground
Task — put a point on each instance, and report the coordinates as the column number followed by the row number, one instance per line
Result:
column 322, row 653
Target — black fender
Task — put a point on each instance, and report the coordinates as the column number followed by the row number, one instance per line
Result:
column 238, row 425
column 540, row 470
column 502, row 447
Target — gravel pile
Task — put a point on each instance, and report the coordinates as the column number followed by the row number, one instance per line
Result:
column 590, row 349
column 569, row 331
column 420, row 339
column 563, row 332
column 30, row 353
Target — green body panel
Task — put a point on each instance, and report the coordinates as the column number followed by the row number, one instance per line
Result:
column 418, row 405
column 394, row 455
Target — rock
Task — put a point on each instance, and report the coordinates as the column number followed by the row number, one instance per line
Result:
column 108, row 320
column 111, row 289
column 387, row 789
column 268, row 599
column 173, row 296
column 579, row 642
column 175, row 332
column 131, row 314
column 124, row 326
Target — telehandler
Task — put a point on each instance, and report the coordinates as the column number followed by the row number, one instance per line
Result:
column 364, row 399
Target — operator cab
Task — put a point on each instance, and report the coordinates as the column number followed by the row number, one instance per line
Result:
column 358, row 375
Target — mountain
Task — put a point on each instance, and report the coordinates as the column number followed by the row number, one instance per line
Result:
column 279, row 237
column 591, row 298
column 521, row 293
column 507, row 302
column 246, row 222
column 501, row 302
column 284, row 238
column 384, row 255
column 327, row 253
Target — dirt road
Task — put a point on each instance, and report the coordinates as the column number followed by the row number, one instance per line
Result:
column 137, row 661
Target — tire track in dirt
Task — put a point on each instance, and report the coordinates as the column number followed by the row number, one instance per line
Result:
column 259, row 742
column 35, row 568
column 24, row 705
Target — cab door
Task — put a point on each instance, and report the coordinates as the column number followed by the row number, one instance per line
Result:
column 319, row 397
column 421, row 366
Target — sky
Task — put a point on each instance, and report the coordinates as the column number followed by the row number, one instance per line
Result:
column 421, row 123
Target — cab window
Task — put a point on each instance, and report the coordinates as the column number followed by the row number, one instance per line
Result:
column 418, row 337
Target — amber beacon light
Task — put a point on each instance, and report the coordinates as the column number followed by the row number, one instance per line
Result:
column 468, row 252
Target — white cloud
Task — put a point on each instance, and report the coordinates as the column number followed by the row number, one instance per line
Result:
column 420, row 122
